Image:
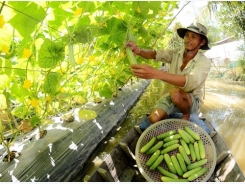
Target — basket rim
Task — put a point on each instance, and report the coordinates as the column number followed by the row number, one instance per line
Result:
column 190, row 124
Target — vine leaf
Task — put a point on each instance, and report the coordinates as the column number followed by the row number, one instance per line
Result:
column 51, row 53
column 87, row 114
column 106, row 92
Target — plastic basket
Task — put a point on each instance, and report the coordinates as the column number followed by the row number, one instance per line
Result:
column 164, row 126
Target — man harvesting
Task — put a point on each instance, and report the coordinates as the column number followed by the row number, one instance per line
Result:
column 188, row 71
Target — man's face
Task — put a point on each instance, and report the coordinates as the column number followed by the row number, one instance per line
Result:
column 192, row 40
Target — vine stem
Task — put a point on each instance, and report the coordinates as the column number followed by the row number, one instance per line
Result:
column 169, row 24
column 1, row 9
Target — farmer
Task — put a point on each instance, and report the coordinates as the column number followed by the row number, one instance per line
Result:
column 188, row 71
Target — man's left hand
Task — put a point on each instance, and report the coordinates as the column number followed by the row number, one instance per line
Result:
column 144, row 71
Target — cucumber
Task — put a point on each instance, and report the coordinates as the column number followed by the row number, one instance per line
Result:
column 154, row 148
column 169, row 163
column 201, row 149
column 176, row 165
column 172, row 137
column 130, row 36
column 192, row 140
column 170, row 148
column 157, row 162
column 153, row 158
column 167, row 144
column 184, row 155
column 167, row 179
column 181, row 162
column 192, row 133
column 71, row 54
column 197, row 164
column 166, row 173
column 130, row 55
column 196, row 148
column 190, row 172
column 166, row 134
column 148, row 145
column 197, row 174
column 183, row 135
column 192, row 151
column 185, row 146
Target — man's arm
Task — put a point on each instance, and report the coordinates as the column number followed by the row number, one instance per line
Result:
column 147, row 54
column 148, row 72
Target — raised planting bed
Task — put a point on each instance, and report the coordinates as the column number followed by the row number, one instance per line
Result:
column 61, row 154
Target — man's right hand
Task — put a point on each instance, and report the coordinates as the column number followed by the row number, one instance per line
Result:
column 135, row 49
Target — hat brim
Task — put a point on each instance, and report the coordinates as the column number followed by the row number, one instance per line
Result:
column 181, row 32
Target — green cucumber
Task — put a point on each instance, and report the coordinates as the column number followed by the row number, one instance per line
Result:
column 197, row 174
column 167, row 144
column 153, row 158
column 192, row 133
column 176, row 165
column 157, row 162
column 183, row 135
column 166, row 173
column 154, row 148
column 131, row 56
column 184, row 155
column 166, row 134
column 148, row 145
column 170, row 163
column 181, row 162
column 201, row 149
column 197, row 164
column 190, row 172
column 170, row 148
column 185, row 146
column 172, row 137
column 192, row 151
column 196, row 148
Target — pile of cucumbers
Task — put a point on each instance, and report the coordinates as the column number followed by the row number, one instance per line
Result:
column 188, row 162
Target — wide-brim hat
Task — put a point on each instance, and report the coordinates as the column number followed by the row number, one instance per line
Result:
column 196, row 28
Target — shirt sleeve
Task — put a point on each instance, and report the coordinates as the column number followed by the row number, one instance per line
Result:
column 164, row 55
column 198, row 74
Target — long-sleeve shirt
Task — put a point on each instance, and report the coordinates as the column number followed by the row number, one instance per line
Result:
column 196, row 71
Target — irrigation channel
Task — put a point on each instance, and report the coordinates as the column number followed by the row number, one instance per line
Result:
column 223, row 106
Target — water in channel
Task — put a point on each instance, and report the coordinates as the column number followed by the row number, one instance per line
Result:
column 223, row 107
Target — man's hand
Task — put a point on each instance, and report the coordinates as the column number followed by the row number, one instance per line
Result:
column 144, row 71
column 135, row 49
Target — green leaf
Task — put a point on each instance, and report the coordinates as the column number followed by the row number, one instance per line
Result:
column 4, row 82
column 121, row 83
column 26, row 23
column 52, row 83
column 3, row 102
column 106, row 92
column 143, row 32
column 51, row 53
column 34, row 120
column 59, row 15
column 20, row 112
column 18, row 91
column 8, row 65
column 87, row 114
column 87, row 6
column 148, row 9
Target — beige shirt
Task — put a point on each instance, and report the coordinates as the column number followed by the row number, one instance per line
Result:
column 196, row 71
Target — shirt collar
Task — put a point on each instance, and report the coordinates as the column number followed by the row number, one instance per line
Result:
column 197, row 56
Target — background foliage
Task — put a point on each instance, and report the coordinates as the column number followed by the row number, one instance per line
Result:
column 56, row 55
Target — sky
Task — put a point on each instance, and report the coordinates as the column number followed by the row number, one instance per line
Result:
column 190, row 11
